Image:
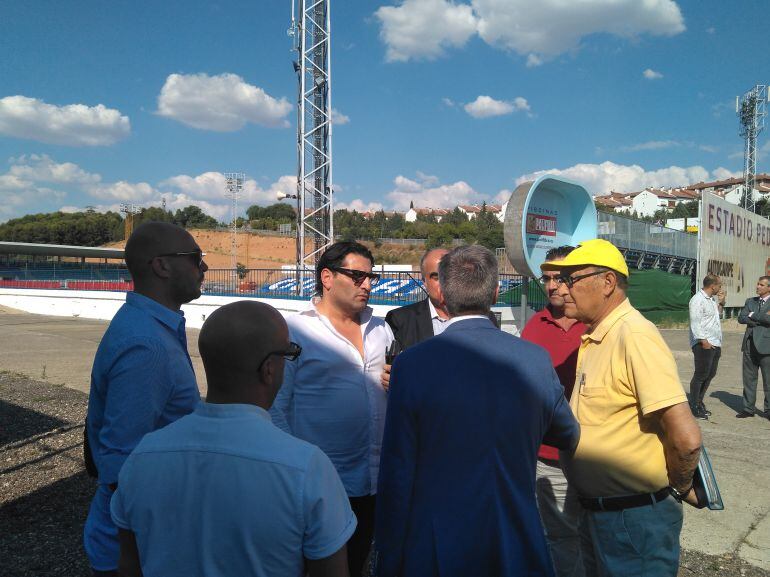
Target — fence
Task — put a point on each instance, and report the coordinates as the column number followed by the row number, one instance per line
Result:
column 394, row 288
column 645, row 237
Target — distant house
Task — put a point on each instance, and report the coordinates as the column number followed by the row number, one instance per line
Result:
column 648, row 201
column 412, row 213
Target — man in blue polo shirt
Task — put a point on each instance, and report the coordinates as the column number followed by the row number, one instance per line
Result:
column 223, row 491
column 142, row 378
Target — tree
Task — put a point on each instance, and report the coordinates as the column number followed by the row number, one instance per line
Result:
column 193, row 217
column 78, row 228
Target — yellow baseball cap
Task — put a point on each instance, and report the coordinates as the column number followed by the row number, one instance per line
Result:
column 595, row 252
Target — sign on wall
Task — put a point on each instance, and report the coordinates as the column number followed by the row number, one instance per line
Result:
column 734, row 244
column 549, row 212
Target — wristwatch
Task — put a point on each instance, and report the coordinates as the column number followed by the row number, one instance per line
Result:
column 679, row 496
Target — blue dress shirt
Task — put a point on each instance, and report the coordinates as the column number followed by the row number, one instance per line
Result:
column 230, row 494
column 142, row 379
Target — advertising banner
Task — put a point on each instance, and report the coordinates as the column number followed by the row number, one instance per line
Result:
column 734, row 244
column 546, row 213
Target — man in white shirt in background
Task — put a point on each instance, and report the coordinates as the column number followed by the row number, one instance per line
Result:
column 333, row 395
column 705, row 341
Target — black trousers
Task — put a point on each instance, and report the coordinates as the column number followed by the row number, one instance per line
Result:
column 753, row 363
column 706, row 363
column 360, row 542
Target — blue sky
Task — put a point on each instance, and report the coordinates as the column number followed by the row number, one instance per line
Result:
column 438, row 102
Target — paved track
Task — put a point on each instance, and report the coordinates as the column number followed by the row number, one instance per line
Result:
column 60, row 350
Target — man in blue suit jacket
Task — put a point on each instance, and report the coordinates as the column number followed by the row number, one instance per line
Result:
column 467, row 411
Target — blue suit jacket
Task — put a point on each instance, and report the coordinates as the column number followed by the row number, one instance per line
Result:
column 467, row 411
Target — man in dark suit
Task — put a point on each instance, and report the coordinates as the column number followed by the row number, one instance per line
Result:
column 414, row 323
column 457, row 472
column 756, row 347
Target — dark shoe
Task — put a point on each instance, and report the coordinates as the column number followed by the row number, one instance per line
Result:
column 700, row 415
column 704, row 410
column 744, row 415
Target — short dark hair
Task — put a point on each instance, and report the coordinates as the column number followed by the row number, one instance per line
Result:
column 559, row 252
column 766, row 278
column 333, row 257
column 709, row 280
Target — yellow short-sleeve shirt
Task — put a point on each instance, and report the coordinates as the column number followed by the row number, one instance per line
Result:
column 625, row 371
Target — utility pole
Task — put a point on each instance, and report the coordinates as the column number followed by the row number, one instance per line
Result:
column 751, row 111
column 311, row 31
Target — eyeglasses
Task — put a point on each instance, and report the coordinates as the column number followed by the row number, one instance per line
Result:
column 196, row 254
column 545, row 279
column 358, row 276
column 433, row 276
column 290, row 354
column 571, row 280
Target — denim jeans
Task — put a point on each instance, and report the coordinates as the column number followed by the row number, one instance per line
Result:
column 637, row 542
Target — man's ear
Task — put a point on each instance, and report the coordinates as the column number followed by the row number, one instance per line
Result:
column 497, row 292
column 160, row 267
column 610, row 282
column 326, row 278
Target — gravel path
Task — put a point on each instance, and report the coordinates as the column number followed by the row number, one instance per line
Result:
column 45, row 492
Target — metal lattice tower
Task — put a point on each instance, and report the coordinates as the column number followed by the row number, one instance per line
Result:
column 751, row 111
column 129, row 210
column 233, row 188
column 312, row 40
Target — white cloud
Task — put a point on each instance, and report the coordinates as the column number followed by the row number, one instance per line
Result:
column 651, row 74
column 134, row 192
column 722, row 173
column 608, row 176
column 708, row 148
column 430, row 193
column 551, row 27
column 70, row 125
column 486, row 106
column 448, row 102
column 358, row 205
column 223, row 103
column 651, row 145
column 41, row 168
column 424, row 29
column 338, row 119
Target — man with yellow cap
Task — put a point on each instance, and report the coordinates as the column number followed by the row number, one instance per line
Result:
column 639, row 445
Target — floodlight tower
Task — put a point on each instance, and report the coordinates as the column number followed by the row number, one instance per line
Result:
column 751, row 111
column 311, row 31
column 233, row 188
column 129, row 210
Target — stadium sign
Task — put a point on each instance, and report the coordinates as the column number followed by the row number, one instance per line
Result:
column 734, row 243
column 548, row 212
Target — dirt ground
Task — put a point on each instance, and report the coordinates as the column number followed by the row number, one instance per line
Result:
column 258, row 251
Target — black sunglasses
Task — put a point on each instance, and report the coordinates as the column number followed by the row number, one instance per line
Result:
column 358, row 276
column 571, row 280
column 196, row 254
column 290, row 354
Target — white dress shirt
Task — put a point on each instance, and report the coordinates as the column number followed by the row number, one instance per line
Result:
column 439, row 324
column 332, row 398
column 704, row 320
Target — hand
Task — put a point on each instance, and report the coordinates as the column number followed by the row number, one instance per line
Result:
column 705, row 344
column 385, row 377
column 721, row 296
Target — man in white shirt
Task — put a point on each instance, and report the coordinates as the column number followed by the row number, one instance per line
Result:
column 333, row 396
column 705, row 341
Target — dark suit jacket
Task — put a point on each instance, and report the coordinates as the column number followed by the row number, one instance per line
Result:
column 467, row 411
column 411, row 324
column 758, row 325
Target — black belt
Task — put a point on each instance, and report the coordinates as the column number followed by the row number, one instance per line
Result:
column 626, row 502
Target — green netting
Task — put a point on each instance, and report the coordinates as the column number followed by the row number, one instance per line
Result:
column 535, row 296
column 660, row 296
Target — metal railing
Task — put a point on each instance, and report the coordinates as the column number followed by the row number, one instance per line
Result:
column 645, row 237
column 394, row 288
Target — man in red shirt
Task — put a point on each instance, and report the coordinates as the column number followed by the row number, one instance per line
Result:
column 558, row 505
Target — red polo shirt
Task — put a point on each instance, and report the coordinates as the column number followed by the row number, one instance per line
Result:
column 563, row 347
